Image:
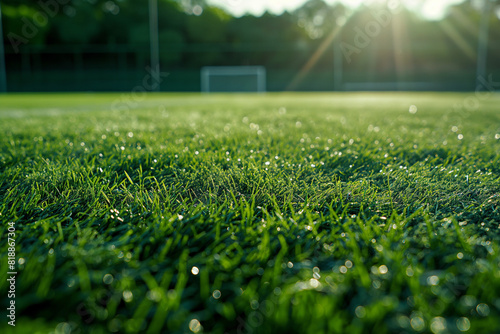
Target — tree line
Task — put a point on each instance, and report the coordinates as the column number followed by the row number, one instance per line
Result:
column 194, row 34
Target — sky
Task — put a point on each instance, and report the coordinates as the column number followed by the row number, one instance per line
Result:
column 430, row 9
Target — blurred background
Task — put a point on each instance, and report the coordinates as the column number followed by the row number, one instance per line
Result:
column 316, row 45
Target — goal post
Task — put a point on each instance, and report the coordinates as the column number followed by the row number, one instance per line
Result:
column 233, row 79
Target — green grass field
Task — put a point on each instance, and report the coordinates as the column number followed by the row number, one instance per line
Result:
column 284, row 213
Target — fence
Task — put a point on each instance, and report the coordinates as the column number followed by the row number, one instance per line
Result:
column 119, row 68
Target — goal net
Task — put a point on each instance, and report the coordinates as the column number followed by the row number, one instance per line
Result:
column 233, row 79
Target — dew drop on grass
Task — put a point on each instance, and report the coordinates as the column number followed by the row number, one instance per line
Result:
column 195, row 326
column 108, row 279
column 417, row 323
column 383, row 269
column 195, row 271
column 216, row 294
column 128, row 296
column 360, row 312
column 433, row 280
column 483, row 309
column 254, row 304
column 438, row 325
column 463, row 324
column 403, row 321
column 314, row 283
column 154, row 295
column 468, row 301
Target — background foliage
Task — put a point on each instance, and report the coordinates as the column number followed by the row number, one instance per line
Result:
column 86, row 37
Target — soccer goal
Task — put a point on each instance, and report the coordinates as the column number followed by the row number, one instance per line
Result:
column 233, row 79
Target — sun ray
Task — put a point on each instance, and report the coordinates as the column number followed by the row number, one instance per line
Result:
column 402, row 59
column 314, row 58
column 318, row 53
column 465, row 21
column 459, row 40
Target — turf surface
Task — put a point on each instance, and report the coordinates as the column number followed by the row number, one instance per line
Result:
column 299, row 213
